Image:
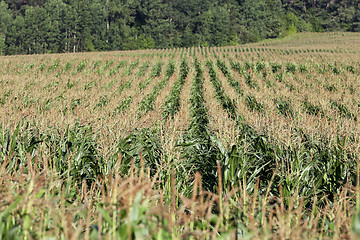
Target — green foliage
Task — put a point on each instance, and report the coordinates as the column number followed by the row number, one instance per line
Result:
column 73, row 153
column 312, row 109
column 140, row 145
column 5, row 97
column 80, row 67
column 54, row 66
column 275, row 67
column 330, row 87
column 143, row 69
column 131, row 67
column 124, row 85
column 156, row 70
column 355, row 224
column 342, row 109
column 253, row 104
column 246, row 166
column 259, row 66
column 198, row 113
column 312, row 171
column 30, row 27
column 197, row 146
column 284, row 107
column 233, row 83
column 2, row 45
column 172, row 103
column 216, row 30
column 291, row 67
column 248, row 80
column 111, row 182
column 123, row 105
column 103, row 101
column 142, row 85
column 116, row 69
column 142, row 42
column 293, row 24
column 228, row 105
column 311, row 163
column 147, row 103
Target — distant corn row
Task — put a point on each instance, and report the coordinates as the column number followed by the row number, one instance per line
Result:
column 172, row 104
column 147, row 103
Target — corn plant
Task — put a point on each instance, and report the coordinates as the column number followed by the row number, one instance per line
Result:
column 228, row 104
column 253, row 104
column 80, row 67
column 123, row 105
column 147, row 103
column 233, row 83
column 172, row 103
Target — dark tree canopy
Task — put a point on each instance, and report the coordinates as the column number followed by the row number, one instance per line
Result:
column 55, row 26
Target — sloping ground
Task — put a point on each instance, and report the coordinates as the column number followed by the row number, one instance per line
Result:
column 335, row 41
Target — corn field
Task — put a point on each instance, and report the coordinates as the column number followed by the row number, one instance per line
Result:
column 257, row 141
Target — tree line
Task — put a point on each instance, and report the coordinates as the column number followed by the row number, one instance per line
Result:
column 57, row 26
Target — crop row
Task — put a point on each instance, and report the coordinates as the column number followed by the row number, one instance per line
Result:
column 172, row 103
column 232, row 82
column 147, row 103
column 283, row 105
column 125, row 103
column 228, row 105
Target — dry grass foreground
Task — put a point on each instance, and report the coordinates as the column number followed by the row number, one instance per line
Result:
column 259, row 141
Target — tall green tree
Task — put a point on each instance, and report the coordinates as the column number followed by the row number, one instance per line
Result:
column 62, row 19
column 5, row 24
column 92, row 23
column 37, row 30
column 260, row 19
column 157, row 23
column 188, row 21
column 216, row 26
column 16, row 34
column 119, row 22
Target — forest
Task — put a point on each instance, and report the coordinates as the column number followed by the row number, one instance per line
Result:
column 62, row 26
